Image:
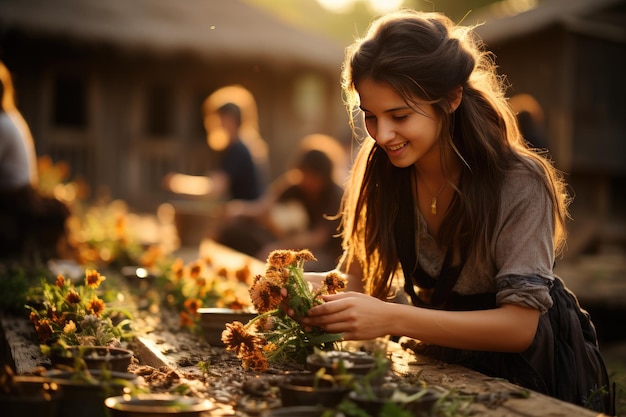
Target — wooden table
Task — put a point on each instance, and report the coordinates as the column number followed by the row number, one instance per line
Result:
column 494, row 397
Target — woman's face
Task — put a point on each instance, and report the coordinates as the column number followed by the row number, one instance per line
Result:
column 409, row 135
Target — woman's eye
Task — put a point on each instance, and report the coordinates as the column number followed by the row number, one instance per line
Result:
column 400, row 117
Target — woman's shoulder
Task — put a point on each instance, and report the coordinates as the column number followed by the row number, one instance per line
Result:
column 523, row 178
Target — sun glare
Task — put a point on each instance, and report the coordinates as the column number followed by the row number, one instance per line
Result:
column 377, row 6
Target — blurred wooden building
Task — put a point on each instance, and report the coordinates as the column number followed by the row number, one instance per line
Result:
column 115, row 87
column 570, row 55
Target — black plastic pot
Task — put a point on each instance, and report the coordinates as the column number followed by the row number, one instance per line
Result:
column 30, row 396
column 84, row 397
column 157, row 405
column 301, row 390
column 95, row 357
column 421, row 406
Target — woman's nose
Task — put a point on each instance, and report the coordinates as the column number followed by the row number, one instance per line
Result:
column 384, row 132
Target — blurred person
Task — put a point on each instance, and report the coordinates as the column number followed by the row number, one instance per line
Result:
column 529, row 120
column 32, row 226
column 237, row 176
column 296, row 213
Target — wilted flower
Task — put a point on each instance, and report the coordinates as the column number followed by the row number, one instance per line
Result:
column 334, row 282
column 255, row 360
column 239, row 340
column 280, row 258
column 272, row 335
column 265, row 295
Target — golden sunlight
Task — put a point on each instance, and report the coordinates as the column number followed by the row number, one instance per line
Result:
column 377, row 6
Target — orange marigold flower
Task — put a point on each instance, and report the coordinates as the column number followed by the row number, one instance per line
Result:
column 265, row 296
column 95, row 306
column 93, row 278
column 192, row 305
column 73, row 297
column 256, row 278
column 195, row 269
column 186, row 320
column 280, row 258
column 44, row 330
column 255, row 360
column 120, row 226
column 201, row 282
column 236, row 304
column 243, row 274
column 239, row 340
column 178, row 269
column 334, row 282
column 60, row 282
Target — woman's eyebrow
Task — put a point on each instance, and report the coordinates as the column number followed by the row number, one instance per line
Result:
column 388, row 110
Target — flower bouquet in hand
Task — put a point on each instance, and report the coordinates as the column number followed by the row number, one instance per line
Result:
column 273, row 336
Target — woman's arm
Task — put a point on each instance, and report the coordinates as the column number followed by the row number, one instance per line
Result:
column 509, row 328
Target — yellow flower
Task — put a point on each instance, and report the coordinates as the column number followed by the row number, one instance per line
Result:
column 70, row 327
column 93, row 279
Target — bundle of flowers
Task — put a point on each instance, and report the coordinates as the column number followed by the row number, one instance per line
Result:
column 65, row 314
column 200, row 284
column 274, row 337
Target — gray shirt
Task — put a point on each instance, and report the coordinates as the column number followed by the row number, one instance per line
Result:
column 522, row 247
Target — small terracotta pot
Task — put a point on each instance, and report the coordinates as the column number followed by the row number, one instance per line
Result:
column 96, row 357
column 156, row 405
column 301, row 390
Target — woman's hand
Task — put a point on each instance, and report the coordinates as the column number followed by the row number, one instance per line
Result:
column 356, row 315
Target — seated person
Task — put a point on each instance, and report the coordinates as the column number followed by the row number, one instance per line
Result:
column 31, row 225
column 296, row 213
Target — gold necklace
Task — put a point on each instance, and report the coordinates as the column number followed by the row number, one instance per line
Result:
column 433, row 201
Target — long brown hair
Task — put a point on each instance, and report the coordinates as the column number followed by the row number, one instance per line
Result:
column 425, row 56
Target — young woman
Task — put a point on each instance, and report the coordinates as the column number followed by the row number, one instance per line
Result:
column 446, row 195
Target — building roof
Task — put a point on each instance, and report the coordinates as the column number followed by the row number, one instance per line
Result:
column 498, row 28
column 206, row 28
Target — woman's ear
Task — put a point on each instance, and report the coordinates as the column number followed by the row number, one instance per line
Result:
column 456, row 97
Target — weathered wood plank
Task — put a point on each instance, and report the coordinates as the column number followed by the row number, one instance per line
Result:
column 22, row 347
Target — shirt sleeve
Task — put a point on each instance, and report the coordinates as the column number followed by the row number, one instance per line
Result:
column 524, row 243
